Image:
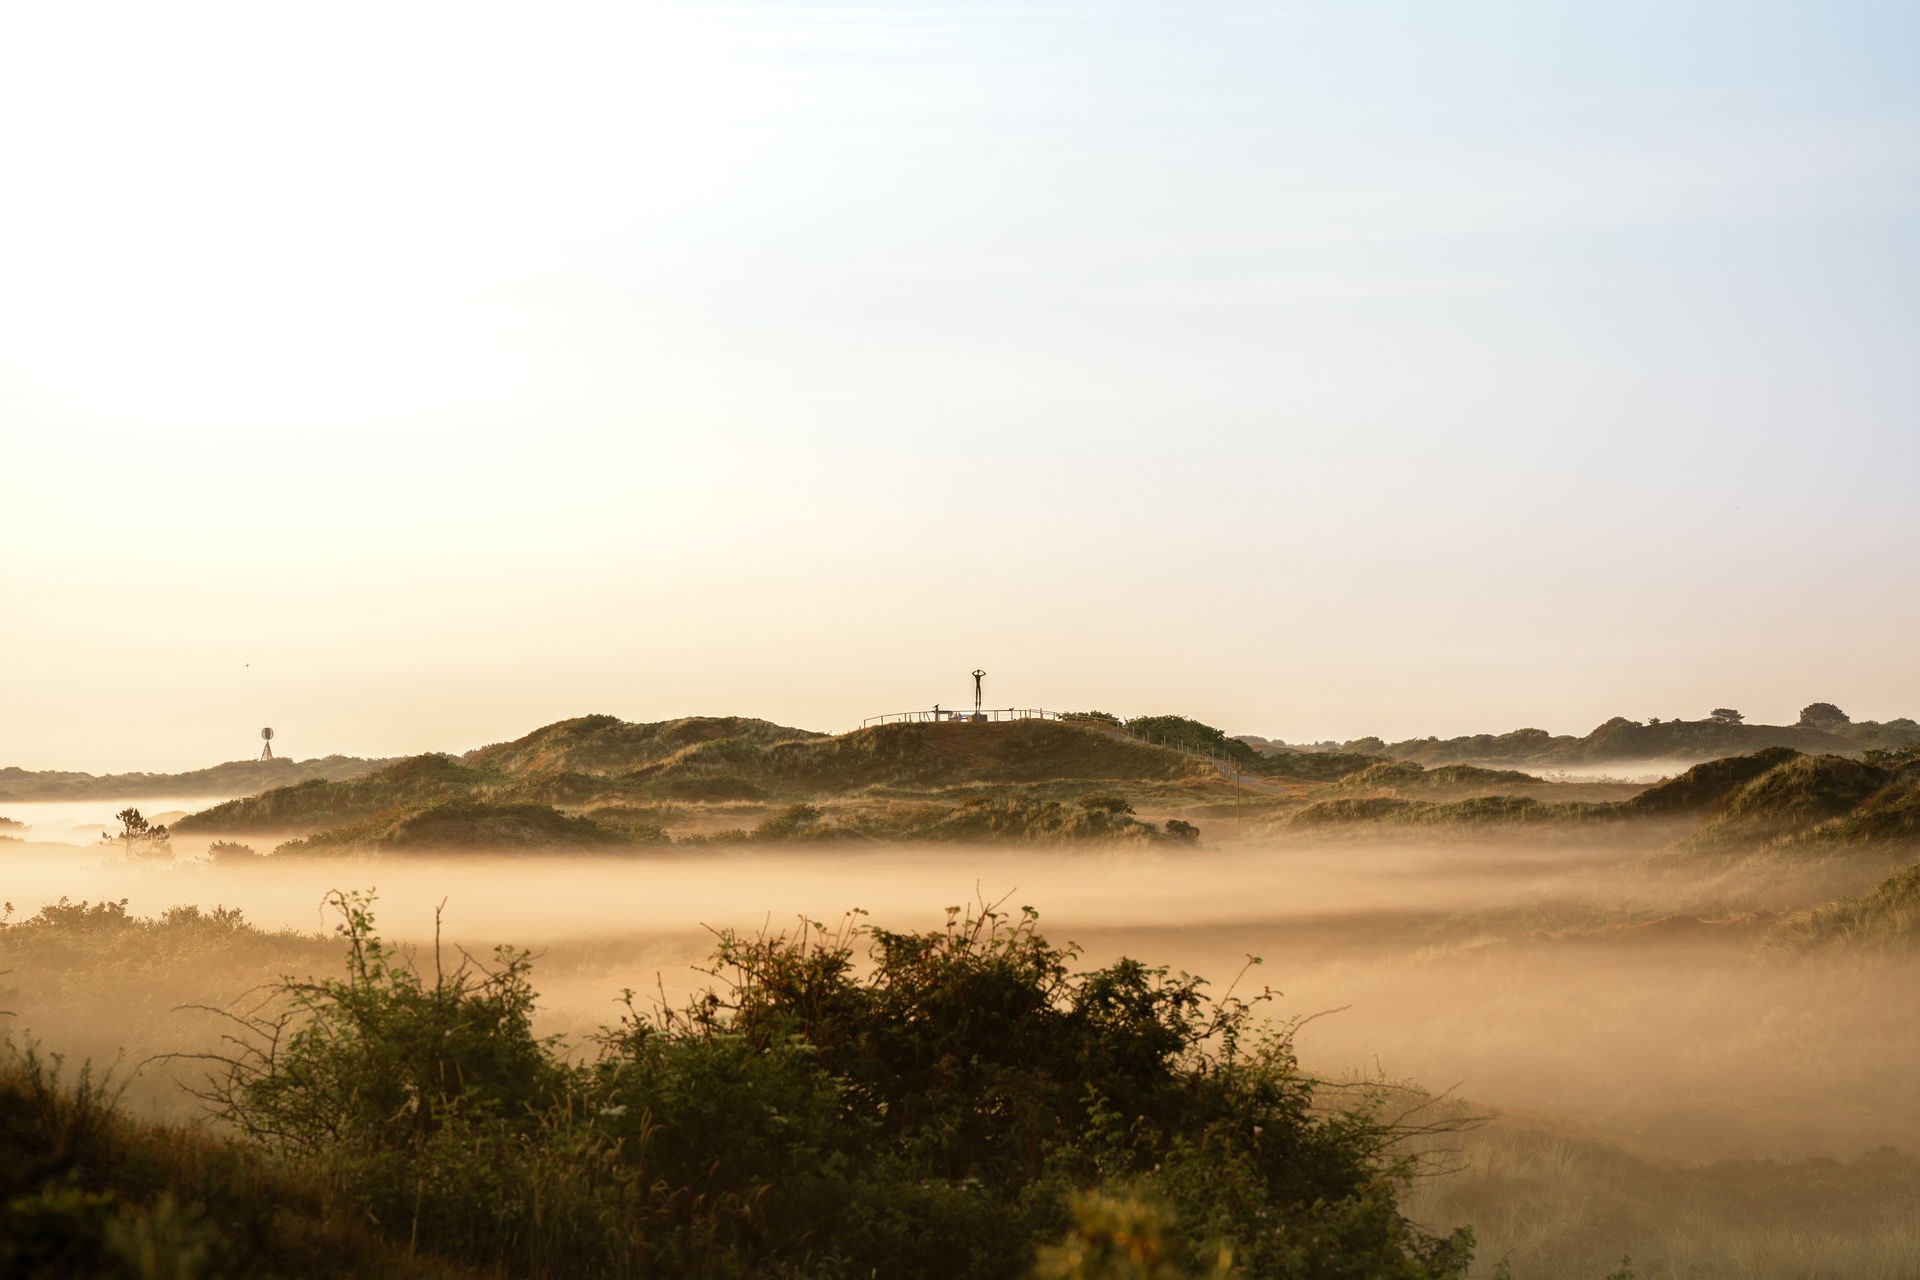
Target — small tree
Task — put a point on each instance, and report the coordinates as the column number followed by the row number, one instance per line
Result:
column 140, row 838
column 1820, row 713
column 1727, row 715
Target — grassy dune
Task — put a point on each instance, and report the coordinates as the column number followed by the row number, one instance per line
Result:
column 1887, row 919
column 598, row 782
column 319, row 803
column 608, row 745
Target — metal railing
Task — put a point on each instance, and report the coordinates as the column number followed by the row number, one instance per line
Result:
column 941, row 715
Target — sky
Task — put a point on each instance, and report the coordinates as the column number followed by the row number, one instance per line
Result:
column 407, row 376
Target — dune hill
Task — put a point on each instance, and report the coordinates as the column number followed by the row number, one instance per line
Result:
column 320, row 803
column 945, row 755
column 1777, row 799
column 604, row 744
column 599, row 781
column 615, row 771
column 1705, row 785
column 463, row 823
column 1621, row 740
column 1791, row 796
column 219, row 779
column 1885, row 919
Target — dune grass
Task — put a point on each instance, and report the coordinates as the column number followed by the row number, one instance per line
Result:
column 1552, row 1200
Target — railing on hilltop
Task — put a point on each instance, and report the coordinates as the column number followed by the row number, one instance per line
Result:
column 941, row 715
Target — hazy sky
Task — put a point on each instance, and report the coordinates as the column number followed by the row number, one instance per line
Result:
column 1313, row 369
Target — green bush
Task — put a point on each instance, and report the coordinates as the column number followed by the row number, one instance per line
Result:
column 1106, row 803
column 714, row 786
column 840, row 1103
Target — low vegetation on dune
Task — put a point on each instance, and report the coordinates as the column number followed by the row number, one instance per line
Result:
column 1555, row 1200
column 608, row 745
column 1889, row 815
column 316, row 804
column 1315, row 766
column 1401, row 779
column 995, row 819
column 86, row 1192
column 954, row 1102
column 1775, row 801
column 1191, row 735
column 461, row 823
column 1793, row 795
column 945, row 755
column 1474, row 812
column 1886, row 919
column 1706, row 785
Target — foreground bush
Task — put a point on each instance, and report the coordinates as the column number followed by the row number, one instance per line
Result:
column 959, row 1102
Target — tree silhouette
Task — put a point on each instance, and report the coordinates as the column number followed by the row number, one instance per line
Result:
column 141, row 838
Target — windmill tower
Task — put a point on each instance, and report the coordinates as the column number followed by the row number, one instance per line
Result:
column 266, row 744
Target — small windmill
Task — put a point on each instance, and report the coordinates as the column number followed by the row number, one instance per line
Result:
column 266, row 744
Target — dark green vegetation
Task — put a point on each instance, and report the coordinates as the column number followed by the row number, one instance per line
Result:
column 1478, row 811
column 848, row 1102
column 1191, row 735
column 87, row 1194
column 1822, row 728
column 221, row 779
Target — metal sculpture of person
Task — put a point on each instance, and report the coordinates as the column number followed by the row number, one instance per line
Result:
column 978, row 676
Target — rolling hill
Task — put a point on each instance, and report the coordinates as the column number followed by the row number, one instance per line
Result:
column 1620, row 740
column 617, row 777
column 236, row 776
column 604, row 744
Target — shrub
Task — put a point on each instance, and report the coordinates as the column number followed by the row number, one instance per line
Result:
column 380, row 1060
column 230, row 852
column 1106, row 803
column 841, row 1103
column 1906, row 757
